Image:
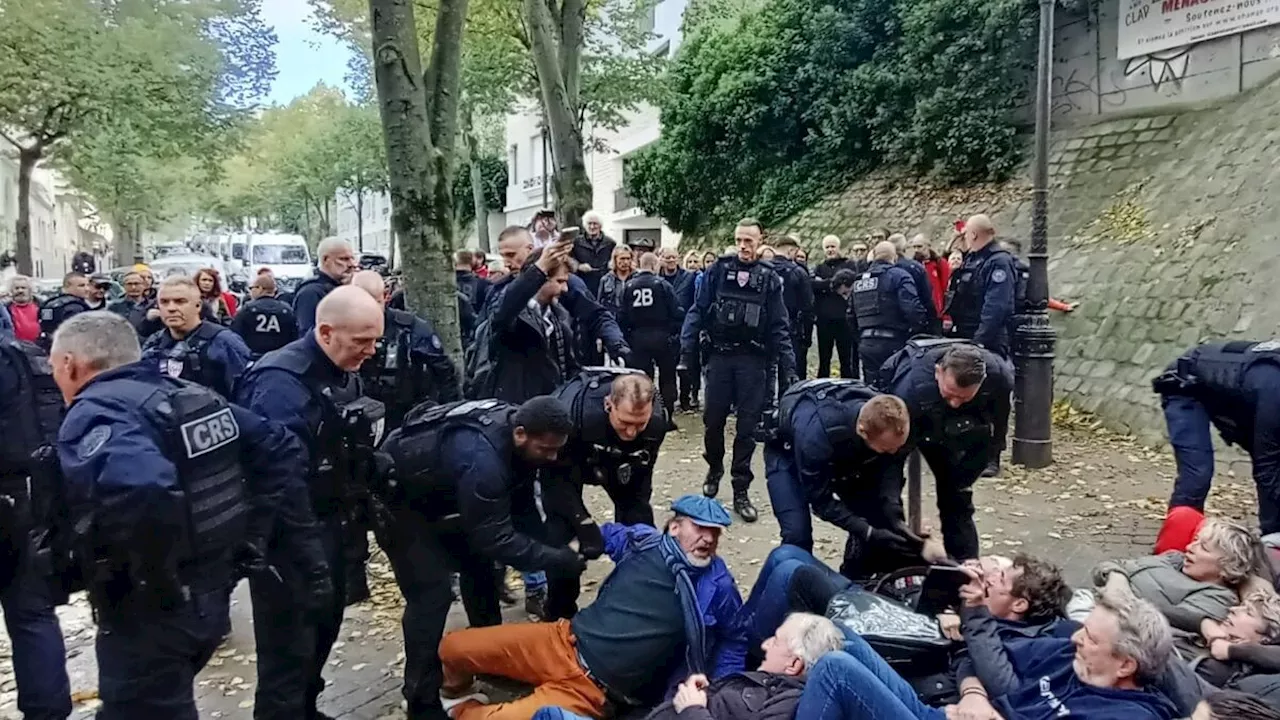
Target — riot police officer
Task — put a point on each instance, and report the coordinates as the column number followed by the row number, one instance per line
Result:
column 980, row 300
column 1235, row 387
column 459, row 496
column 71, row 301
column 335, row 266
column 265, row 322
column 312, row 387
column 410, row 364
column 649, row 316
column 31, row 410
column 190, row 347
column 618, row 429
column 886, row 309
column 740, row 309
column 797, row 294
column 171, row 492
column 958, row 395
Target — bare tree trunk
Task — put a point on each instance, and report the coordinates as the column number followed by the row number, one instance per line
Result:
column 27, row 159
column 419, row 122
column 360, row 219
column 477, row 186
column 559, row 87
column 125, row 242
column 137, row 241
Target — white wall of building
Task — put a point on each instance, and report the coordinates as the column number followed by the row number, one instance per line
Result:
column 51, row 246
column 377, row 232
column 604, row 168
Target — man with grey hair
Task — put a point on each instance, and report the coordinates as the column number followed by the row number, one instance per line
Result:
column 335, row 267
column 23, row 309
column 191, row 348
column 167, row 526
column 1110, row 668
column 592, row 250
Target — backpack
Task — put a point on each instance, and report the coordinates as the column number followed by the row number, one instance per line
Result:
column 480, row 379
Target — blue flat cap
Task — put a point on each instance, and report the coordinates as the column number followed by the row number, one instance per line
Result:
column 704, row 511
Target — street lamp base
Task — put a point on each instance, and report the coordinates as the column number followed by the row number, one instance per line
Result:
column 1032, row 453
column 1034, row 343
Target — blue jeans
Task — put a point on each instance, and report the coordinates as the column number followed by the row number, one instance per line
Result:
column 39, row 655
column 147, row 665
column 787, row 496
column 768, row 604
column 858, row 684
column 1190, row 435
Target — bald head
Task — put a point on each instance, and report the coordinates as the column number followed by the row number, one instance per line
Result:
column 348, row 326
column 371, row 282
column 979, row 231
column 885, row 251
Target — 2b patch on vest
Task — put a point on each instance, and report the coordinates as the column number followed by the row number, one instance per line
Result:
column 210, row 433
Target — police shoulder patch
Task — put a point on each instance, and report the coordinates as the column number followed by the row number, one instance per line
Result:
column 1267, row 346
column 206, row 434
column 999, row 276
column 93, row 441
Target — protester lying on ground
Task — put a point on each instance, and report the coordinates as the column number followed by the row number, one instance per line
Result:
column 1241, row 652
column 1106, row 670
column 1229, row 705
column 1188, row 588
column 667, row 611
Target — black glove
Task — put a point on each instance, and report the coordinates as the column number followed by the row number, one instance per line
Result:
column 894, row 541
column 590, row 540
column 569, row 563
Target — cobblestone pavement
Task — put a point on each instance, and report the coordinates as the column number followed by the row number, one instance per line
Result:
column 1103, row 498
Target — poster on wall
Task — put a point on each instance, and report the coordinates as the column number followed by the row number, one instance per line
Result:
column 1148, row 26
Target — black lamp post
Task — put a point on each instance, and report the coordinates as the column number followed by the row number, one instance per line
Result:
column 1034, row 338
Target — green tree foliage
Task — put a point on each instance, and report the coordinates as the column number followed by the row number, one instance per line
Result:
column 493, row 174
column 764, row 115
column 128, row 84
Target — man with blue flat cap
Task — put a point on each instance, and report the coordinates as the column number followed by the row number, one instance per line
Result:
column 667, row 611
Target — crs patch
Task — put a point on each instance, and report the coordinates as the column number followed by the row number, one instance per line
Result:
column 210, row 433
column 866, row 284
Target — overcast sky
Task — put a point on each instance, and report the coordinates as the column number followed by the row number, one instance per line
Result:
column 304, row 56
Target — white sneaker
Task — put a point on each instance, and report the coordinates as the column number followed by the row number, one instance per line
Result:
column 451, row 703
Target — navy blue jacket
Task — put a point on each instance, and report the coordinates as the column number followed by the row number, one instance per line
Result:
column 253, row 323
column 308, row 297
column 933, row 323
column 226, row 351
column 682, row 281
column 906, row 311
column 778, row 331
column 986, row 316
column 797, row 293
column 281, row 397
column 592, row 318
column 115, row 463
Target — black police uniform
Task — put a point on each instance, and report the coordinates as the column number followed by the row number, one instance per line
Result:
column 265, row 324
column 980, row 300
column 816, row 459
column 409, row 367
column 168, row 488
column 54, row 311
column 956, row 442
column 299, row 387
column 797, row 294
column 210, row 355
column 829, row 312
column 457, row 497
column 1235, row 387
column 650, row 315
column 31, row 410
column 886, row 311
column 308, row 296
column 740, row 308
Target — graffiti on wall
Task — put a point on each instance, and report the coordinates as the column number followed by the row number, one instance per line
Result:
column 1163, row 67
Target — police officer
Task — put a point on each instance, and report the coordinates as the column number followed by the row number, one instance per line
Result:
column 459, row 496
column 172, row 493
column 190, row 347
column 335, row 267
column 920, row 277
column 410, row 365
column 71, row 301
column 1235, row 387
column 312, row 387
column 740, row 308
column 958, row 395
column 650, row 315
column 886, row 309
column 981, row 297
column 797, row 294
column 265, row 322
column 618, row 429
column 31, row 410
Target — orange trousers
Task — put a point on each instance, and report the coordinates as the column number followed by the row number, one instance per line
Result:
column 541, row 654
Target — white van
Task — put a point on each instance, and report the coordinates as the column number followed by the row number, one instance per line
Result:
column 286, row 256
column 239, row 250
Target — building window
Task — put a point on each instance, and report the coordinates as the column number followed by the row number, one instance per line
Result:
column 647, row 23
column 515, row 164
column 535, row 155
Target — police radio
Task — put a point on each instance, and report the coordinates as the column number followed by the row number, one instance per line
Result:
column 364, row 420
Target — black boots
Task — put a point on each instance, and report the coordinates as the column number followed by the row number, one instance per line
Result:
column 711, row 487
column 742, row 505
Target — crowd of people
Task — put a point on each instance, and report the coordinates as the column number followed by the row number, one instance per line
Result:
column 160, row 449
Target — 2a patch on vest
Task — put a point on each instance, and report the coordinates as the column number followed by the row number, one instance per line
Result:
column 210, row 433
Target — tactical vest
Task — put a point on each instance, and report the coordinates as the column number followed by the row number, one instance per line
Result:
column 203, row 441
column 739, row 312
column 54, row 311
column 901, row 362
column 596, row 451
column 34, row 414
column 1215, row 372
column 349, row 422
column 841, row 391
column 390, row 376
column 415, row 449
column 965, row 295
column 871, row 304
column 188, row 358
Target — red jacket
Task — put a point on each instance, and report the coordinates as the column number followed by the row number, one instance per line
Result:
column 939, row 272
column 26, row 321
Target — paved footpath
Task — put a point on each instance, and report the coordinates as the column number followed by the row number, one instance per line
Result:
column 1103, row 498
